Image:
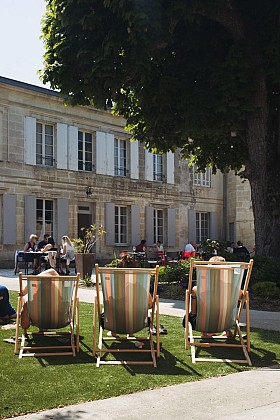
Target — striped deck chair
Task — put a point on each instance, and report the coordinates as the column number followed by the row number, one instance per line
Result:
column 126, row 293
column 52, row 304
column 219, row 307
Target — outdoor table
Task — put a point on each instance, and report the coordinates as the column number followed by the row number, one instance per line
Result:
column 30, row 256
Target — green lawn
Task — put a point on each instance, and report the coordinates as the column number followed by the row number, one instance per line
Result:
column 32, row 384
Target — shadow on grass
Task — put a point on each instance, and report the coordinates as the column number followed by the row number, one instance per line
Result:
column 167, row 363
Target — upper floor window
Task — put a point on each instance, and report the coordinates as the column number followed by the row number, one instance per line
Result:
column 157, row 167
column 202, row 179
column 44, row 144
column 202, row 226
column 85, row 153
column 158, row 225
column 120, row 225
column 44, row 217
column 120, row 157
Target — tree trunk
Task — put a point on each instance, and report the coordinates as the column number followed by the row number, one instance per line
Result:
column 263, row 171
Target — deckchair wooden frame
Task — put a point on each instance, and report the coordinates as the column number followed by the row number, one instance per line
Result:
column 190, row 338
column 99, row 345
column 32, row 350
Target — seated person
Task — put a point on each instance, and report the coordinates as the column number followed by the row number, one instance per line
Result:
column 44, row 242
column 159, row 252
column 192, row 314
column 242, row 251
column 6, row 309
column 142, row 246
column 189, row 250
column 68, row 254
column 25, row 320
column 30, row 246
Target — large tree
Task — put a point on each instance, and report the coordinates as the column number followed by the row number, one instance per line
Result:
column 200, row 75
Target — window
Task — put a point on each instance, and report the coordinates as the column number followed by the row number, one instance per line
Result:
column 120, row 225
column 202, row 226
column 44, row 217
column 84, row 151
column 202, row 179
column 158, row 225
column 44, row 144
column 157, row 167
column 120, row 159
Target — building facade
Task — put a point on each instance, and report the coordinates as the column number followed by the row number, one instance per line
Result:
column 63, row 168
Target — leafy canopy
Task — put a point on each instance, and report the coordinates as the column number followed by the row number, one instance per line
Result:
column 182, row 72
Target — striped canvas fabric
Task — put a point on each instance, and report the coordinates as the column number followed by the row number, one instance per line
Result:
column 125, row 298
column 49, row 302
column 217, row 296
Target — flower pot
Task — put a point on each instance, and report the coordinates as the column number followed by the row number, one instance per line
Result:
column 84, row 264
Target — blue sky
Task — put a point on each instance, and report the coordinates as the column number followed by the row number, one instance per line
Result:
column 20, row 46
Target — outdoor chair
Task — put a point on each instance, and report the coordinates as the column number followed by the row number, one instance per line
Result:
column 52, row 304
column 219, row 307
column 126, row 293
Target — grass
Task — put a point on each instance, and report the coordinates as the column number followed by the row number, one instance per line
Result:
column 34, row 384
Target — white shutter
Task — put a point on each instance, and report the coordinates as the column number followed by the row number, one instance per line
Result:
column 213, row 226
column 134, row 159
column 135, row 225
column 170, row 168
column 101, row 159
column 149, row 169
column 30, row 140
column 110, row 154
column 73, row 148
column 61, row 146
column 9, row 219
column 171, row 227
column 149, row 225
column 110, row 223
column 29, row 216
column 192, row 226
column 62, row 218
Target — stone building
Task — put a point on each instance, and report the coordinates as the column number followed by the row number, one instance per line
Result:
column 63, row 168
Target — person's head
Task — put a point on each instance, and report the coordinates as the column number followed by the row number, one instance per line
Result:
column 239, row 243
column 33, row 238
column 126, row 260
column 217, row 258
column 66, row 240
column 46, row 237
column 158, row 243
column 143, row 241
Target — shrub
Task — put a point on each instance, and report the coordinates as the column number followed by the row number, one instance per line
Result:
column 174, row 273
column 265, row 269
column 266, row 289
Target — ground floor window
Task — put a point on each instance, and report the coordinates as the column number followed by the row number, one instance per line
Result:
column 158, row 225
column 202, row 227
column 120, row 225
column 44, row 217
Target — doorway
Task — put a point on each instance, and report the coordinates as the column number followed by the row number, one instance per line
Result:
column 84, row 219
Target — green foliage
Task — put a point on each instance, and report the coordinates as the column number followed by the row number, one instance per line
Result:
column 213, row 246
column 266, row 289
column 174, row 273
column 197, row 74
column 86, row 281
column 265, row 269
column 113, row 263
column 90, row 237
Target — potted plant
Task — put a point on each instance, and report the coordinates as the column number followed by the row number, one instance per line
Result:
column 84, row 256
